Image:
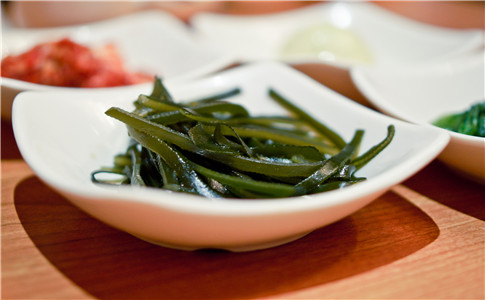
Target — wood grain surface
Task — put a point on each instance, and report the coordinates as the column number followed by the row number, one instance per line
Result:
column 424, row 239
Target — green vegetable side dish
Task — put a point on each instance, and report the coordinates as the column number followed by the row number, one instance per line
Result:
column 470, row 122
column 215, row 148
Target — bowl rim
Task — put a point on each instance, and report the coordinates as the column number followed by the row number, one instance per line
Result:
column 361, row 78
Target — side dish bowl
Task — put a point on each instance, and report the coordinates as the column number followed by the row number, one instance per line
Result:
column 423, row 94
column 390, row 39
column 152, row 42
column 64, row 136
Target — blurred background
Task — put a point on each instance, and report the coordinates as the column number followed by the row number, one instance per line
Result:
column 58, row 13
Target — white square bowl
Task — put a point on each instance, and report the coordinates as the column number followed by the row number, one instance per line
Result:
column 422, row 94
column 152, row 42
column 390, row 38
column 65, row 136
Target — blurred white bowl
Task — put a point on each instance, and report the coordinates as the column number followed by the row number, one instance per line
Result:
column 66, row 136
column 390, row 38
column 423, row 94
column 150, row 41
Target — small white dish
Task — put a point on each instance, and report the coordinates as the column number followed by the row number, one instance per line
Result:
column 423, row 94
column 390, row 38
column 64, row 136
column 153, row 42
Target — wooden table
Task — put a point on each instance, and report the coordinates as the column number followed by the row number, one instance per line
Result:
column 422, row 239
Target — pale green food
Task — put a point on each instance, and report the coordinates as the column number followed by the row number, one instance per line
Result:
column 327, row 43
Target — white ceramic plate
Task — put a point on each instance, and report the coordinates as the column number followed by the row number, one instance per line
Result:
column 391, row 39
column 151, row 41
column 65, row 136
column 423, row 94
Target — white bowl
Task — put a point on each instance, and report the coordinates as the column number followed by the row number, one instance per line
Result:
column 65, row 136
column 151, row 41
column 390, row 38
column 423, row 94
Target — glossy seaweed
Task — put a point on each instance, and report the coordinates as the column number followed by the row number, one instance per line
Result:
column 215, row 148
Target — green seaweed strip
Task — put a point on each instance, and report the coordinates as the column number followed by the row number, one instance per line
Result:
column 265, row 167
column 158, row 130
column 220, row 96
column 136, row 178
column 184, row 166
column 156, row 104
column 238, row 162
column 221, row 139
column 169, row 177
column 362, row 160
column 206, row 141
column 330, row 166
column 201, row 138
column 187, row 175
column 336, row 184
column 230, row 110
column 160, row 92
column 282, row 136
column 122, row 160
column 318, row 126
column 157, row 87
column 295, row 153
column 266, row 188
column 267, row 121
